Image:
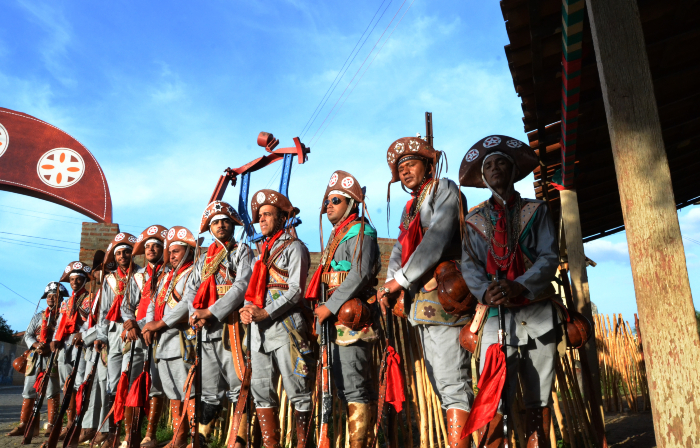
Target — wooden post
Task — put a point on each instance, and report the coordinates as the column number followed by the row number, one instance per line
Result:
column 671, row 343
column 582, row 299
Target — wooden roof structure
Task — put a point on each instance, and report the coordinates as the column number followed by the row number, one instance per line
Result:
column 671, row 31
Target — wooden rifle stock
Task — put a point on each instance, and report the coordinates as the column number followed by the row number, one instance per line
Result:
column 77, row 424
column 194, row 425
column 39, row 402
column 324, row 440
column 502, row 343
column 67, row 393
column 137, row 415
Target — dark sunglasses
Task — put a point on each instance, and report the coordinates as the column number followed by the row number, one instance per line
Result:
column 336, row 201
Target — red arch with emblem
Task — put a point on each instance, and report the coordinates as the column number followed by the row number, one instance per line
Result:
column 37, row 159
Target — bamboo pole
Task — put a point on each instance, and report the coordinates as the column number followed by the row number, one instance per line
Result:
column 283, row 412
column 576, row 403
column 409, row 383
column 567, row 405
column 560, row 418
column 415, row 360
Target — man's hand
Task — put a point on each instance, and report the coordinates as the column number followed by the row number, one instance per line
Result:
column 129, row 324
column 41, row 347
column 251, row 313
column 56, row 345
column 500, row 293
column 390, row 291
column 201, row 318
column 322, row 313
column 133, row 334
column 151, row 329
column 78, row 339
column 99, row 345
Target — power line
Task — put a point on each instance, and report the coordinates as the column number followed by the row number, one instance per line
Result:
column 37, row 244
column 17, row 293
column 28, row 244
column 342, row 72
column 40, row 238
column 57, row 220
column 358, row 71
column 692, row 240
column 43, row 213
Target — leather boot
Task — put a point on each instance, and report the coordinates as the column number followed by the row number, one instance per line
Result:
column 128, row 421
column 150, row 440
column 537, row 423
column 52, row 411
column 456, row 418
column 25, row 414
column 70, row 413
column 210, row 413
column 87, row 435
column 112, row 437
column 74, row 440
column 269, row 427
column 491, row 435
column 359, row 423
column 191, row 418
column 180, row 426
column 302, row 419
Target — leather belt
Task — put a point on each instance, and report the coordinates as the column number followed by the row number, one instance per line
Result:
column 334, row 279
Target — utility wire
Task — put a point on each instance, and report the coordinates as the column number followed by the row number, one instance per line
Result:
column 40, row 238
column 3, row 238
column 16, row 293
column 27, row 244
column 57, row 220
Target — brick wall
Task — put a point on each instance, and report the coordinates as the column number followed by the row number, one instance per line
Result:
column 94, row 237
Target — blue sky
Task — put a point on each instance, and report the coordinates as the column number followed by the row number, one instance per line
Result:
column 168, row 94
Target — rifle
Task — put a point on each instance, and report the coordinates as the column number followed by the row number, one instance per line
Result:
column 67, row 394
column 383, row 380
column 39, row 402
column 249, row 404
column 325, row 378
column 502, row 343
column 245, row 398
column 137, row 416
column 77, row 424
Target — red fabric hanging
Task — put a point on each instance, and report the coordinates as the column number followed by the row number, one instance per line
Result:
column 206, row 294
column 120, row 398
column 70, row 317
column 37, row 382
column 490, row 388
column 517, row 266
column 160, row 298
column 313, row 292
column 79, row 399
column 394, row 381
column 115, row 311
column 146, row 294
column 410, row 238
column 91, row 315
column 45, row 318
column 258, row 280
column 138, row 395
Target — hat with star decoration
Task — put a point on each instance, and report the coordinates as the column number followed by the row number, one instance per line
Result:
column 218, row 210
column 53, row 288
column 520, row 154
column 274, row 198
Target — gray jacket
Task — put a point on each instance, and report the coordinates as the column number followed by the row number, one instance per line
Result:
column 31, row 336
column 439, row 213
column 540, row 243
column 132, row 300
column 357, row 279
column 238, row 265
column 168, row 345
column 103, row 325
column 270, row 334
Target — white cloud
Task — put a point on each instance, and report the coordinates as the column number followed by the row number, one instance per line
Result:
column 602, row 250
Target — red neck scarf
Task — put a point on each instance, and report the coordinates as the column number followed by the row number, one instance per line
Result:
column 92, row 317
column 258, row 281
column 146, row 293
column 70, row 317
column 513, row 264
column 206, row 294
column 313, row 292
column 115, row 311
column 46, row 319
column 161, row 298
column 411, row 237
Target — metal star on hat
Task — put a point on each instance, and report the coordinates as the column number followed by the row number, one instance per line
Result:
column 217, row 207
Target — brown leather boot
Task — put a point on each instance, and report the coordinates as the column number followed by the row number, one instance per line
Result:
column 99, row 440
column 537, row 423
column 302, row 419
column 456, row 418
column 359, row 423
column 180, row 425
column 52, row 411
column 74, row 440
column 150, row 441
column 112, row 439
column 269, row 427
column 491, row 435
column 87, row 435
column 25, row 414
column 128, row 420
column 70, row 414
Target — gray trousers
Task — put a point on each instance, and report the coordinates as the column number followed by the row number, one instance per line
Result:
column 95, row 411
column 114, row 357
column 66, row 357
column 218, row 373
column 267, row 368
column 448, row 365
column 29, row 392
column 534, row 360
column 352, row 372
column 156, row 386
column 173, row 375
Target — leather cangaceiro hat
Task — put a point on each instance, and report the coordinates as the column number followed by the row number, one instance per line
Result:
column 521, row 153
column 409, row 146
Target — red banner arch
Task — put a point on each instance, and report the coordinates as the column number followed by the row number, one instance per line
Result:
column 39, row 160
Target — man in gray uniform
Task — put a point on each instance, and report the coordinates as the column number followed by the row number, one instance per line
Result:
column 166, row 326
column 74, row 313
column 215, row 292
column 142, row 287
column 430, row 235
column 110, row 323
column 513, row 239
column 274, row 301
column 349, row 279
column 38, row 337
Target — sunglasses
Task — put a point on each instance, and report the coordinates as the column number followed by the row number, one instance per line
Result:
column 336, row 201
